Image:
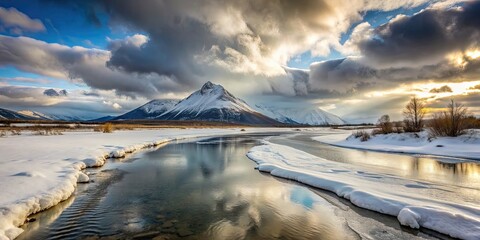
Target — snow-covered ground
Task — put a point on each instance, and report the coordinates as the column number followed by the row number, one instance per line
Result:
column 465, row 146
column 415, row 204
column 38, row 172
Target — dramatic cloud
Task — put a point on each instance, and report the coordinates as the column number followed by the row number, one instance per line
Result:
column 17, row 22
column 424, row 38
column 434, row 44
column 80, row 65
column 192, row 42
column 176, row 45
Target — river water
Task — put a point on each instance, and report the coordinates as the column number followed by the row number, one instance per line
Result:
column 209, row 189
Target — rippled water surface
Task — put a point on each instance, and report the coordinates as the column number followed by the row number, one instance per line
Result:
column 206, row 189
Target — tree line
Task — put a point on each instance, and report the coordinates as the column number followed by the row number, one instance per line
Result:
column 452, row 122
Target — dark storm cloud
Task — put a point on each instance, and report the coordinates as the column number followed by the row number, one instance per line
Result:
column 189, row 42
column 192, row 42
column 353, row 74
column 425, row 37
column 441, row 89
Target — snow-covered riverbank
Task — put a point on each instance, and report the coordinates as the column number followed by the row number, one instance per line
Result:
column 415, row 204
column 38, row 172
column 465, row 146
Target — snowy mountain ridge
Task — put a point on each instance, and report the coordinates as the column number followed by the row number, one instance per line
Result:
column 210, row 96
column 309, row 115
column 9, row 114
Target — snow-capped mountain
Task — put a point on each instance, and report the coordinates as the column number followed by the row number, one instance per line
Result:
column 214, row 103
column 309, row 116
column 150, row 110
column 35, row 115
column 211, row 103
column 9, row 114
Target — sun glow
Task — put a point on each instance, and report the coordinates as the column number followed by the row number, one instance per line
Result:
column 423, row 90
column 473, row 54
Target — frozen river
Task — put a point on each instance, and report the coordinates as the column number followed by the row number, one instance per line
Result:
column 209, row 189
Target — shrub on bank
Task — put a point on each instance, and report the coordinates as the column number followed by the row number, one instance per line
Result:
column 452, row 122
column 107, row 128
column 363, row 135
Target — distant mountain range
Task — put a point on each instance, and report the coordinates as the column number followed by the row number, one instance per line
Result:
column 308, row 116
column 33, row 115
column 211, row 103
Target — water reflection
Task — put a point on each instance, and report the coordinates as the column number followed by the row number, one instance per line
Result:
column 47, row 218
column 433, row 169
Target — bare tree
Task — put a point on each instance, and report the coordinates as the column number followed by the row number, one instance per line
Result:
column 453, row 122
column 414, row 114
column 385, row 125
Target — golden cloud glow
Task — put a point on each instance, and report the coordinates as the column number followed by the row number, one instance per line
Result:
column 457, row 59
column 460, row 88
column 424, row 90
column 460, row 59
column 473, row 54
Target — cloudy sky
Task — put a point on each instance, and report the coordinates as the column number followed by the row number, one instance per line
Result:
column 357, row 59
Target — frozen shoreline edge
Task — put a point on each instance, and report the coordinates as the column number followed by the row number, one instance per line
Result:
column 407, row 214
column 14, row 215
column 20, row 211
column 343, row 143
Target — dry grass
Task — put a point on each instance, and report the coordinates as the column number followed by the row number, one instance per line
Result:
column 15, row 132
column 47, row 132
column 363, row 135
column 105, row 128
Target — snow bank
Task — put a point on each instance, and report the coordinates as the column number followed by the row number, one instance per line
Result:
column 436, row 208
column 465, row 146
column 38, row 172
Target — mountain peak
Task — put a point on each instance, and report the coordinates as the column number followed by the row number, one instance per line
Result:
column 208, row 86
